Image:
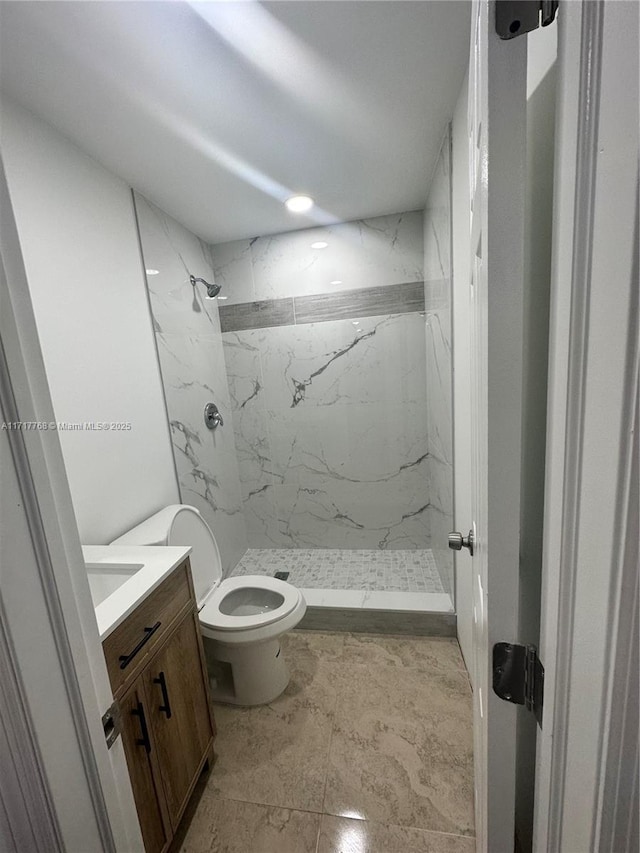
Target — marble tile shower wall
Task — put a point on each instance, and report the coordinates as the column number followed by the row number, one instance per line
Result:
column 437, row 283
column 365, row 253
column 189, row 341
column 330, row 416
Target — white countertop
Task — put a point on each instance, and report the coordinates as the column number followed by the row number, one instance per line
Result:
column 157, row 561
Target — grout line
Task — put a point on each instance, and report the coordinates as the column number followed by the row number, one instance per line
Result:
column 326, row 777
column 400, row 826
column 319, row 833
column 222, row 798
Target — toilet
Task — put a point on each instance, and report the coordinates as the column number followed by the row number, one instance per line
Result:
column 241, row 618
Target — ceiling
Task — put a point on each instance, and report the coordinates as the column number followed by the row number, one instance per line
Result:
column 218, row 111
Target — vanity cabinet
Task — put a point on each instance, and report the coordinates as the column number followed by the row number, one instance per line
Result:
column 158, row 674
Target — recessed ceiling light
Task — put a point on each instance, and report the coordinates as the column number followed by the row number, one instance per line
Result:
column 223, row 297
column 337, row 281
column 319, row 244
column 152, row 272
column 299, row 203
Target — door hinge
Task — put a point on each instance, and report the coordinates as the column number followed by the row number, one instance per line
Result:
column 112, row 723
column 515, row 17
column 518, row 676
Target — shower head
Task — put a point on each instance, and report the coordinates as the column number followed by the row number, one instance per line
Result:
column 212, row 289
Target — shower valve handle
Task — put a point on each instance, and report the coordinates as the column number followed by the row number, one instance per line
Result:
column 212, row 416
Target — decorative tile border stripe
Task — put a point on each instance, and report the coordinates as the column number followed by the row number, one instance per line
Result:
column 257, row 315
column 403, row 298
column 367, row 302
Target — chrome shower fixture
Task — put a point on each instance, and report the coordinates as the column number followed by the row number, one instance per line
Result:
column 212, row 289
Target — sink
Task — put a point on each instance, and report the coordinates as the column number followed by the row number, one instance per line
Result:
column 105, row 578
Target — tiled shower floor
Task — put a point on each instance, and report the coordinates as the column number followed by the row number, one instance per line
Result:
column 318, row 568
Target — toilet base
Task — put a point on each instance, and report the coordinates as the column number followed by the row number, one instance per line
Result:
column 253, row 674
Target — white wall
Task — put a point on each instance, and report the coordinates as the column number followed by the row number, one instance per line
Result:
column 461, row 366
column 79, row 241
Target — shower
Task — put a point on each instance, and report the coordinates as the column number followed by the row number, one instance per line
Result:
column 212, row 289
column 332, row 371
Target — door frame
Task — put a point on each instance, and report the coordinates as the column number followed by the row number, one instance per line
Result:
column 77, row 793
column 590, row 506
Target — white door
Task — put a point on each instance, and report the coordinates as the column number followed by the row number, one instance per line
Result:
column 497, row 128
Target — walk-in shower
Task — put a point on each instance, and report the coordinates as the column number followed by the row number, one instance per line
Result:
column 330, row 361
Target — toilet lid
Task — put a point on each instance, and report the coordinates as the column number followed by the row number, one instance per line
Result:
column 211, row 616
column 181, row 524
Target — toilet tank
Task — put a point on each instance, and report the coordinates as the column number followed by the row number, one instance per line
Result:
column 180, row 524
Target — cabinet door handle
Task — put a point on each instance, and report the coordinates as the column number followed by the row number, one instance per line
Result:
column 144, row 740
column 125, row 660
column 166, row 706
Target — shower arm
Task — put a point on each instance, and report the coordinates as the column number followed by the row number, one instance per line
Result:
column 195, row 281
column 212, row 289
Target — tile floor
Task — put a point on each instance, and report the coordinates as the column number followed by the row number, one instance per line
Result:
column 333, row 568
column 369, row 750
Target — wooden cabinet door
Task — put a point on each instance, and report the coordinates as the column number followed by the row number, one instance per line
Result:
column 178, row 702
column 138, row 747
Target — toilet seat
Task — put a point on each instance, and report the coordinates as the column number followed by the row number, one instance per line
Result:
column 212, row 616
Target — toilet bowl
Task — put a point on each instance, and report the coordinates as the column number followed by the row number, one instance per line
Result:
column 241, row 618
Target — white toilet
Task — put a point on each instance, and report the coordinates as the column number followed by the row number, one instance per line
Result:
column 242, row 618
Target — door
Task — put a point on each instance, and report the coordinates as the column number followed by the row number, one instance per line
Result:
column 179, row 712
column 497, row 127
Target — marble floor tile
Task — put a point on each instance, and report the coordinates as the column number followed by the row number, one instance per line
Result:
column 323, row 646
column 369, row 750
column 401, row 749
column 437, row 655
column 277, row 754
column 229, row 826
column 345, row 835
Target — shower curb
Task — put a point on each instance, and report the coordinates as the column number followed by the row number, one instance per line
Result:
column 358, row 620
